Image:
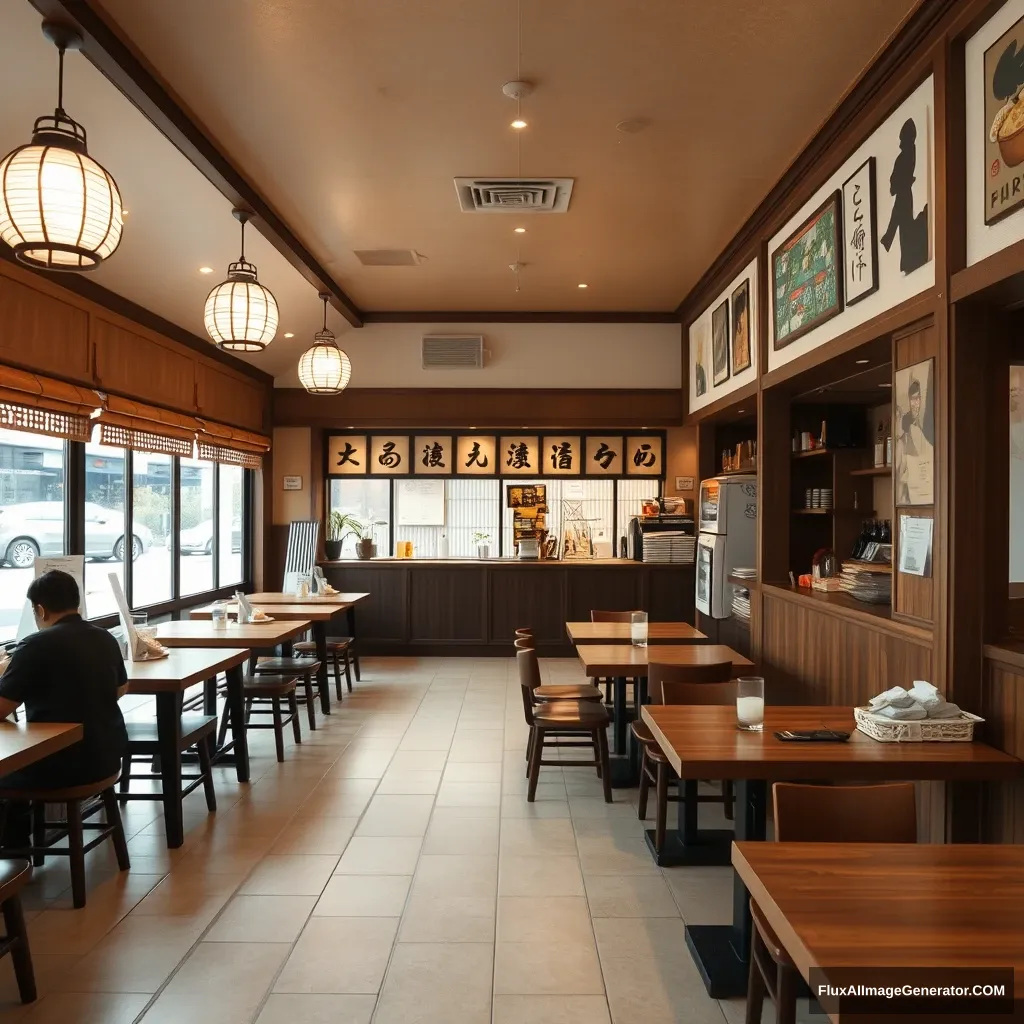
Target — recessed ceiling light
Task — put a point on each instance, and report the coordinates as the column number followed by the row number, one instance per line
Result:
column 289, row 334
column 124, row 212
column 519, row 124
column 520, row 231
column 581, row 286
column 861, row 362
column 206, row 270
column 740, row 412
column 886, row 385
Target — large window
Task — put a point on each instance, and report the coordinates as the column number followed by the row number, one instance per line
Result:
column 33, row 471
column 196, row 500
column 470, row 512
column 152, row 577
column 368, row 502
column 229, row 524
column 106, row 540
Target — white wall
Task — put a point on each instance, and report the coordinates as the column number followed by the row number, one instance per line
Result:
column 894, row 286
column 983, row 240
column 700, row 332
column 520, row 355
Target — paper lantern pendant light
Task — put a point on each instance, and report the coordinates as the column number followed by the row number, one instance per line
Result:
column 241, row 314
column 324, row 369
column 59, row 209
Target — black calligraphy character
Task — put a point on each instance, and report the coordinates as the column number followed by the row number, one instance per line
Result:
column 518, row 456
column 644, row 456
column 476, row 457
column 389, row 457
column 433, row 455
column 605, row 455
column 561, row 455
column 345, row 457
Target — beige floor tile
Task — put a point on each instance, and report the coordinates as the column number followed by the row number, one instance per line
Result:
column 456, row 875
column 85, row 1008
column 544, row 919
column 650, row 991
column 703, row 895
column 448, row 919
column 419, row 760
column 473, row 771
column 316, row 835
column 547, row 968
column 340, row 955
column 51, row 971
column 364, row 896
column 540, row 876
column 262, row 919
column 525, row 837
column 424, row 979
column 379, row 856
column 469, row 794
column 292, row 875
column 404, row 782
column 615, row 855
column 317, row 1009
column 396, row 816
column 220, row 981
column 455, row 834
column 550, row 1010
column 630, row 896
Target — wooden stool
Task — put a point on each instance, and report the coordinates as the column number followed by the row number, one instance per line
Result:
column 143, row 742
column 306, row 671
column 14, row 876
column 268, row 689
column 73, row 826
column 338, row 654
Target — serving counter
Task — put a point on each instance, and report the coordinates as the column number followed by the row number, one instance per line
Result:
column 472, row 606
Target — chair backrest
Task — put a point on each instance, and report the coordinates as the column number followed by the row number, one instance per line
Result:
column 529, row 679
column 599, row 616
column 303, row 535
column 524, row 643
column 524, row 631
column 682, row 684
column 845, row 814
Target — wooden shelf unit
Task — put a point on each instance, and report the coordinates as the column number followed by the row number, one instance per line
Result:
column 872, row 471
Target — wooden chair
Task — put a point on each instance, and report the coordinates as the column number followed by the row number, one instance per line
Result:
column 562, row 718
column 678, row 684
column 340, row 655
column 596, row 615
column 73, row 826
column 263, row 695
column 197, row 731
column 14, row 876
column 820, row 814
column 306, row 673
column 542, row 693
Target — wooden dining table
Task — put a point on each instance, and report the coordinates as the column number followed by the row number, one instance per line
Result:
column 621, row 633
column 316, row 616
column 705, row 743
column 25, row 743
column 906, row 907
column 167, row 679
column 621, row 661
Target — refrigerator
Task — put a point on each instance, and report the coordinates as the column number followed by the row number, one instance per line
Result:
column 727, row 518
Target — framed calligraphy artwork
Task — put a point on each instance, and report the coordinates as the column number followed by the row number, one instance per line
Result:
column 389, row 455
column 432, row 455
column 520, row 456
column 861, row 233
column 644, row 455
column 562, row 456
column 476, row 455
column 604, row 456
column 348, row 456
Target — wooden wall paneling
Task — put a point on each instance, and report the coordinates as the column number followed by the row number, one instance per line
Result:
column 383, row 616
column 40, row 333
column 774, row 450
column 670, row 593
column 606, row 589
column 518, row 597
column 231, row 398
column 1002, row 707
column 140, row 366
column 447, row 604
column 317, row 484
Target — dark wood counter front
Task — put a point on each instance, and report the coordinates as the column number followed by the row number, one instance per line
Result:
column 473, row 607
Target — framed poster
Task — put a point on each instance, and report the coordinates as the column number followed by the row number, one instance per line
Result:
column 419, row 502
column 1004, row 124
column 916, row 545
column 701, row 363
column 913, row 424
column 807, row 281
column 720, row 343
column 860, row 228
column 740, row 299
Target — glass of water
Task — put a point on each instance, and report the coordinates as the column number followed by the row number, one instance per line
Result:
column 750, row 703
column 638, row 629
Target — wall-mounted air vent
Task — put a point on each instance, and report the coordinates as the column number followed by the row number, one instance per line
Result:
column 514, row 195
column 388, row 257
column 453, row 351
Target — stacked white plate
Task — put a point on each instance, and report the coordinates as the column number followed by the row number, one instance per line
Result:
column 670, row 548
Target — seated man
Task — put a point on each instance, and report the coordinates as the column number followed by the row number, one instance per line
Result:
column 70, row 671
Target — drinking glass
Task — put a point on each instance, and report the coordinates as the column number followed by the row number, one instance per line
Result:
column 638, row 629
column 750, row 703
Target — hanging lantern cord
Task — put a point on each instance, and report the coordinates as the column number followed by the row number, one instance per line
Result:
column 60, row 79
column 324, row 297
column 243, row 242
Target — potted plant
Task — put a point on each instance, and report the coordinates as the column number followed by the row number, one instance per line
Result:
column 483, row 545
column 366, row 547
column 339, row 528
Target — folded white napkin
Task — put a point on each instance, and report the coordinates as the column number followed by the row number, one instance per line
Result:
column 922, row 700
column 912, row 714
column 897, row 697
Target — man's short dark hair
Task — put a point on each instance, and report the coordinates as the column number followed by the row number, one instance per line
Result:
column 55, row 591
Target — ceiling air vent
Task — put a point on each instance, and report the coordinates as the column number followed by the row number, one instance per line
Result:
column 388, row 257
column 453, row 351
column 514, row 195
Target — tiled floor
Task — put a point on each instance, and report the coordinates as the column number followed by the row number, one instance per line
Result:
column 390, row 870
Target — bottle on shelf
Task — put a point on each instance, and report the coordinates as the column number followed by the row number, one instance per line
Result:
column 886, row 531
column 880, row 446
column 888, row 442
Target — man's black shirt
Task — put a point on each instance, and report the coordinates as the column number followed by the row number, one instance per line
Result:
column 71, row 672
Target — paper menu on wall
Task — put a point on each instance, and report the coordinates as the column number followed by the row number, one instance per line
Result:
column 73, row 565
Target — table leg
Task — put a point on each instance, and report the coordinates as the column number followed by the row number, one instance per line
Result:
column 210, row 696
column 689, row 845
column 320, row 636
column 722, row 952
column 624, row 759
column 168, row 731
column 350, row 618
column 240, row 744
column 619, row 716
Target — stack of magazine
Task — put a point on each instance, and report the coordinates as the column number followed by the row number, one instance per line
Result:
column 870, row 582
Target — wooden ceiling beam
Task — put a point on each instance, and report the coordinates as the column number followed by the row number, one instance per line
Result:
column 126, row 68
column 515, row 316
